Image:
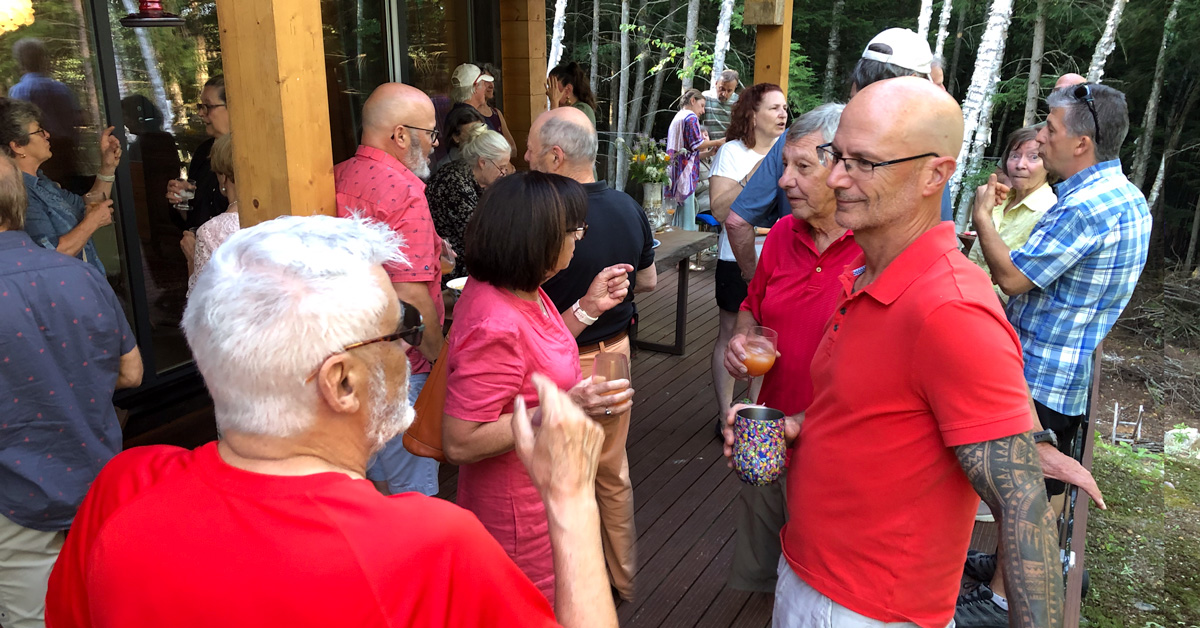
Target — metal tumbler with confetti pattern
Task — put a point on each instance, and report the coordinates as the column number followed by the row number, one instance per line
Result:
column 759, row 445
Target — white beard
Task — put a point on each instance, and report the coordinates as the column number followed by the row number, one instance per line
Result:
column 387, row 421
column 418, row 161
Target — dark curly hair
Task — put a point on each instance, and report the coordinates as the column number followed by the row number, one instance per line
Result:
column 741, row 119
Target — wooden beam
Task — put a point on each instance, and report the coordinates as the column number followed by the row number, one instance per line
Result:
column 523, row 62
column 274, row 60
column 772, row 50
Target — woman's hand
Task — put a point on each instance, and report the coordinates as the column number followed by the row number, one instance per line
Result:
column 600, row 398
column 100, row 214
column 561, row 450
column 735, row 355
column 110, row 152
column 174, row 187
column 607, row 291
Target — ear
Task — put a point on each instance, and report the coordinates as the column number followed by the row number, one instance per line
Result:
column 1084, row 144
column 15, row 148
column 339, row 381
column 560, row 158
column 940, row 171
column 400, row 135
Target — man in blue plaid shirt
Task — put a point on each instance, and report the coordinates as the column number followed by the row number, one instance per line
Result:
column 1077, row 271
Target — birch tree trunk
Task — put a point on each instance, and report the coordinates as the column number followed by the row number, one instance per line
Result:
column 556, row 35
column 639, row 75
column 952, row 75
column 1141, row 156
column 151, row 60
column 1191, row 252
column 689, row 44
column 661, row 71
column 1108, row 41
column 623, row 101
column 1033, row 91
column 923, row 18
column 943, row 28
column 614, row 95
column 835, row 41
column 721, row 44
column 595, row 78
column 977, row 107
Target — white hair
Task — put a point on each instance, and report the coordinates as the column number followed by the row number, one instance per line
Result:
column 275, row 301
column 483, row 143
column 577, row 141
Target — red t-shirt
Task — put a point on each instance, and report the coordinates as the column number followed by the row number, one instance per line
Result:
column 373, row 184
column 916, row 363
column 794, row 291
column 172, row 537
column 497, row 343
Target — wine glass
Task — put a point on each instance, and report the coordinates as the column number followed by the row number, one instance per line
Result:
column 761, row 343
column 611, row 366
column 185, row 195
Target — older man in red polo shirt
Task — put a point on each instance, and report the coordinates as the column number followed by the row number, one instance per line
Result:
column 383, row 182
column 920, row 399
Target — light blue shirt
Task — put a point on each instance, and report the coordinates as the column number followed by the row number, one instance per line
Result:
column 52, row 213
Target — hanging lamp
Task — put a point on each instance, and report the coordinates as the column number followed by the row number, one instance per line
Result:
column 151, row 14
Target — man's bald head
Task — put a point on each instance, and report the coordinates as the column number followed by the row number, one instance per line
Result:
column 395, row 104
column 910, row 113
column 1069, row 79
column 562, row 141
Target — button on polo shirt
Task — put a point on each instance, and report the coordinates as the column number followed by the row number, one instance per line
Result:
column 912, row 365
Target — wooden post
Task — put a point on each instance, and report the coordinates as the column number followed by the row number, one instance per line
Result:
column 773, row 41
column 274, row 60
column 523, row 62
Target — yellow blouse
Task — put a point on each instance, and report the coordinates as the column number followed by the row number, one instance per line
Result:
column 1016, row 224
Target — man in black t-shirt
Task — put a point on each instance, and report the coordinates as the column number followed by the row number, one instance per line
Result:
column 563, row 141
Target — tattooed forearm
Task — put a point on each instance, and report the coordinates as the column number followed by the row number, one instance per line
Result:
column 1007, row 475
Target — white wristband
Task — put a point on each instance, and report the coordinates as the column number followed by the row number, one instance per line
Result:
column 581, row 315
column 107, row 178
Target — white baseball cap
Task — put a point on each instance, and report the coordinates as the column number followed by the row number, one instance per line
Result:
column 468, row 74
column 909, row 50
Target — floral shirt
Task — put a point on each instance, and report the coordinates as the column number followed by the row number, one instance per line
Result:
column 453, row 193
column 683, row 169
column 209, row 236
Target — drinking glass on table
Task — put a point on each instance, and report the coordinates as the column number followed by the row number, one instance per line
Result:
column 611, row 366
column 761, row 344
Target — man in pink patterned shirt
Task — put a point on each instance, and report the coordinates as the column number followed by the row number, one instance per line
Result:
column 382, row 182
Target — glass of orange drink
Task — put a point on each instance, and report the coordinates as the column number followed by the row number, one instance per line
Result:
column 761, row 343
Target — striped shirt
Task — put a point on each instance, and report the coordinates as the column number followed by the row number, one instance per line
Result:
column 1084, row 257
column 716, row 114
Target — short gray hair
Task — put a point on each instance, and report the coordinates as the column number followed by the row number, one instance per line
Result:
column 937, row 62
column 461, row 93
column 483, row 143
column 1112, row 116
column 823, row 118
column 275, row 301
column 578, row 142
column 728, row 76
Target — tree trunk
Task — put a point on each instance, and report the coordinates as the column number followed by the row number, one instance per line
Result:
column 721, row 43
column 977, row 107
column 623, row 101
column 1141, row 156
column 689, row 44
column 923, row 17
column 151, row 60
column 595, row 77
column 1033, row 91
column 614, row 95
column 557, row 33
column 1191, row 252
column 660, row 73
column 1156, row 256
column 952, row 75
column 943, row 29
column 835, row 40
column 1107, row 42
column 85, row 51
column 639, row 76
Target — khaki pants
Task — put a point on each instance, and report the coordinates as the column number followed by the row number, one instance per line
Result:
column 614, row 491
column 26, row 558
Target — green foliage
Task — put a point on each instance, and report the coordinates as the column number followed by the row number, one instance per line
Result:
column 803, row 91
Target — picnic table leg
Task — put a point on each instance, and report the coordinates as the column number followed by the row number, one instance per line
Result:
column 681, row 302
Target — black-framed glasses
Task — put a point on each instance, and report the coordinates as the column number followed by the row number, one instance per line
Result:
column 412, row 331
column 860, row 169
column 42, row 132
column 433, row 133
column 578, row 232
column 204, row 109
column 503, row 169
column 1084, row 92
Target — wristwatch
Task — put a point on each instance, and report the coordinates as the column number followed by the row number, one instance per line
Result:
column 582, row 316
column 1046, row 436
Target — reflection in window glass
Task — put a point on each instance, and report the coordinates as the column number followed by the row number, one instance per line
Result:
column 355, row 64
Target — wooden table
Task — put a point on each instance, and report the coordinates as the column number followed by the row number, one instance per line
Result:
column 676, row 248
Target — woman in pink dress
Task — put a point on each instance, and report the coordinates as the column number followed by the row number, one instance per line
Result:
column 505, row 330
column 199, row 245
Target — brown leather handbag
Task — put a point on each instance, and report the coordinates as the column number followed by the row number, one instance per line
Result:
column 424, row 436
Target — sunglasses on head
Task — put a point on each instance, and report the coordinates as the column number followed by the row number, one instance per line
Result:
column 1083, row 92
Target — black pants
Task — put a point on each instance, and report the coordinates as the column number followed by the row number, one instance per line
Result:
column 1066, row 428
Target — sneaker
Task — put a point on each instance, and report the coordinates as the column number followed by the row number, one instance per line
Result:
column 984, row 513
column 980, row 566
column 979, row 611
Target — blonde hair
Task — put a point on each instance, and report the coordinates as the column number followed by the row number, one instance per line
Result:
column 483, row 143
column 220, row 158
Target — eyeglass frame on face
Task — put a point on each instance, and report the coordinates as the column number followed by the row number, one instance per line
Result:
column 411, row 332
column 1083, row 92
column 41, row 130
column 503, row 171
column 434, row 134
column 581, row 231
column 205, row 109
column 825, row 152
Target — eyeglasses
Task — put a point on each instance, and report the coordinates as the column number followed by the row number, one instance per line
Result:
column 1084, row 92
column 42, row 132
column 433, row 133
column 204, row 109
column 578, row 232
column 860, row 169
column 503, row 169
column 412, row 331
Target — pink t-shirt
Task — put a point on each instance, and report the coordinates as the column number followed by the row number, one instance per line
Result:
column 498, row 341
